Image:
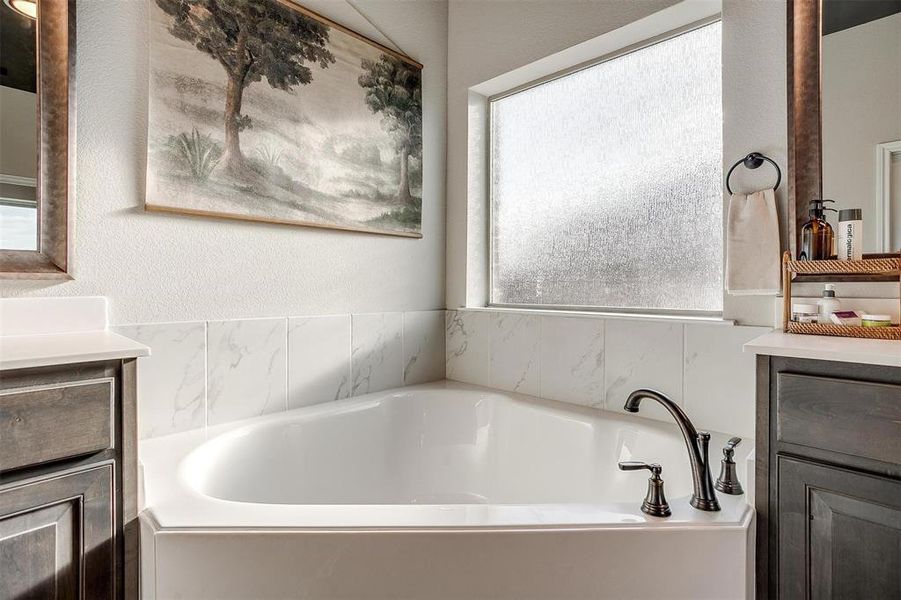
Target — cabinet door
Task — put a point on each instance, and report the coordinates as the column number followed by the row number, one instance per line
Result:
column 839, row 533
column 57, row 537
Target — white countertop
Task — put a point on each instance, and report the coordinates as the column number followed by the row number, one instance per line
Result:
column 22, row 351
column 821, row 347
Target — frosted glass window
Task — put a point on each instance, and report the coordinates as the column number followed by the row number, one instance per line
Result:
column 606, row 183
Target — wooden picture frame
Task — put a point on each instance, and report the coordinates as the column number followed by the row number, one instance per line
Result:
column 56, row 150
column 338, row 154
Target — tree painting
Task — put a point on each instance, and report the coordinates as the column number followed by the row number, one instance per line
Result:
column 394, row 89
column 251, row 39
column 330, row 135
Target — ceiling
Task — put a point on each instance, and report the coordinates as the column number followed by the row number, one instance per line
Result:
column 844, row 14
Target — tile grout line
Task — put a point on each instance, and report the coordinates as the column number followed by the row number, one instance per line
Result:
column 286, row 364
column 206, row 375
column 350, row 358
column 604, row 367
column 537, row 361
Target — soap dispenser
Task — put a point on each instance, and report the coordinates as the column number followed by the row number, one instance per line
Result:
column 816, row 234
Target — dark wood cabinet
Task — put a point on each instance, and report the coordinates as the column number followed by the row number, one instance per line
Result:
column 68, row 506
column 844, row 526
column 828, row 482
column 55, row 531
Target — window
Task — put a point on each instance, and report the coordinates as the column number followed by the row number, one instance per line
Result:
column 606, row 183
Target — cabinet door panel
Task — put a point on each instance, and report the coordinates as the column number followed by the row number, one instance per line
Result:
column 57, row 537
column 840, row 533
column 38, row 555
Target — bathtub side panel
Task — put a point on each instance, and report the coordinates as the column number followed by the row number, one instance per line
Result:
column 426, row 565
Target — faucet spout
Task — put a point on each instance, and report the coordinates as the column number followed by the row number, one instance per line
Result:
column 704, row 496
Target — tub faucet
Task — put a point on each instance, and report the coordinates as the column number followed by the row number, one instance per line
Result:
column 704, row 496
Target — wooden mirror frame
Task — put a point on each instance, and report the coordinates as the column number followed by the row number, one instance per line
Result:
column 56, row 149
column 805, row 128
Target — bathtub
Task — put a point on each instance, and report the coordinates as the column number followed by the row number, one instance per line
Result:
column 437, row 491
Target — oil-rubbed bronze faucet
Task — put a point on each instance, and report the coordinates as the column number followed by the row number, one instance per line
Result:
column 704, row 496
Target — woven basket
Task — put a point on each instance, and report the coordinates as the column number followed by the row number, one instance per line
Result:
column 876, row 333
column 841, row 267
column 886, row 266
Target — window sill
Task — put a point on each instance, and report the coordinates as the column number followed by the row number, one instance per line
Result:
column 591, row 314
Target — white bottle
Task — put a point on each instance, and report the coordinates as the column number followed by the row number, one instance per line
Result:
column 828, row 304
column 850, row 234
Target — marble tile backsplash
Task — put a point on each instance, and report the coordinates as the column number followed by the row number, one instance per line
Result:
column 423, row 346
column 174, row 377
column 514, row 352
column 246, row 369
column 207, row 373
column 319, row 359
column 643, row 354
column 597, row 362
column 468, row 346
column 377, row 353
column 571, row 363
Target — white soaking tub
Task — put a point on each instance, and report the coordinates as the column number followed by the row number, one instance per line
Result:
column 436, row 491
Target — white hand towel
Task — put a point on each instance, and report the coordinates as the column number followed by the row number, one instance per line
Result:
column 752, row 245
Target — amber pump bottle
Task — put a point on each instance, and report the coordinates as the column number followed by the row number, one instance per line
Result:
column 816, row 234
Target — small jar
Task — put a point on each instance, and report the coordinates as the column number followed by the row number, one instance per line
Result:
column 875, row 320
column 805, row 313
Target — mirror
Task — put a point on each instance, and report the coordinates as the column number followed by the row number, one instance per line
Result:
column 18, row 126
column 860, row 88
column 37, row 134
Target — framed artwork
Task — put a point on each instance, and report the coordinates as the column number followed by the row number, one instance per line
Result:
column 265, row 111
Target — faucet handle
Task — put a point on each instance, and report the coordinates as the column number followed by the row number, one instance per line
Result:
column 655, row 503
column 729, row 448
column 728, row 482
column 637, row 465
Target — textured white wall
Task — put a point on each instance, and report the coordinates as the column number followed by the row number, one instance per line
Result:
column 156, row 267
column 755, row 117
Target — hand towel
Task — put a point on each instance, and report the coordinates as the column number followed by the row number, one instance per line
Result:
column 752, row 245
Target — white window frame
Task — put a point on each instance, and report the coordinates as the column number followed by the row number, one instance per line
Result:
column 646, row 43
column 469, row 286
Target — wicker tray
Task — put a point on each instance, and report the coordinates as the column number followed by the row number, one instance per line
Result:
column 883, row 266
column 867, row 266
column 876, row 333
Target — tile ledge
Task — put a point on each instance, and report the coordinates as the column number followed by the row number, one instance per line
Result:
column 600, row 315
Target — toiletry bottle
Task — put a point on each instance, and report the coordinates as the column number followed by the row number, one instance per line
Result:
column 850, row 234
column 828, row 304
column 816, row 234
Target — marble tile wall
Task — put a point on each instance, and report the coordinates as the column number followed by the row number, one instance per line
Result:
column 597, row 362
column 206, row 373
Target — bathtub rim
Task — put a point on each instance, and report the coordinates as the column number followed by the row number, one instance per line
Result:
column 172, row 504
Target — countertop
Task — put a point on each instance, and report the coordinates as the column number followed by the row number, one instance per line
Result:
column 23, row 351
column 820, row 347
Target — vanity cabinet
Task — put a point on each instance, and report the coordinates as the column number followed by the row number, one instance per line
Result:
column 828, row 480
column 68, row 505
column 844, row 526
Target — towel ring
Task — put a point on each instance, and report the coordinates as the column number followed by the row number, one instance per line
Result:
column 753, row 161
